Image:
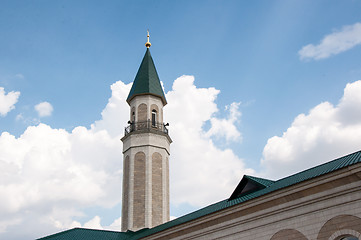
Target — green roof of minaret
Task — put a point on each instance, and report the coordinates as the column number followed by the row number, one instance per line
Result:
column 147, row 80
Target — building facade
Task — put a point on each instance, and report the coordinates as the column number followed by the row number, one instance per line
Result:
column 321, row 203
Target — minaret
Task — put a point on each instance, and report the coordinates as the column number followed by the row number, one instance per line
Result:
column 146, row 145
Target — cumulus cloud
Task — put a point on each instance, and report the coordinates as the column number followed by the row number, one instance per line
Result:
column 325, row 133
column 115, row 226
column 211, row 172
column 93, row 223
column 226, row 127
column 50, row 176
column 116, row 114
column 339, row 41
column 7, row 101
column 44, row 109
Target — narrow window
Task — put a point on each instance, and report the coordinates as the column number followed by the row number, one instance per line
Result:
column 133, row 121
column 154, row 118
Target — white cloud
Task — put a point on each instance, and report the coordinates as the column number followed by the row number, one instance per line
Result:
column 325, row 133
column 115, row 226
column 211, row 172
column 93, row 223
column 7, row 101
column 334, row 43
column 116, row 114
column 19, row 117
column 6, row 223
column 225, row 127
column 50, row 176
column 44, row 109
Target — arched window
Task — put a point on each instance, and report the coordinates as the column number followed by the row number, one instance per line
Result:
column 154, row 118
column 133, row 121
column 349, row 238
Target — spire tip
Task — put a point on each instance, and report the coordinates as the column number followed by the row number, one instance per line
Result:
column 148, row 44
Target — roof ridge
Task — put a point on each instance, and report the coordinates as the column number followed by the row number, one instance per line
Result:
column 103, row 230
column 56, row 234
column 263, row 181
column 81, row 229
column 344, row 158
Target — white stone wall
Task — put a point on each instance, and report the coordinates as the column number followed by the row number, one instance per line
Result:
column 146, row 139
column 148, row 100
column 148, row 150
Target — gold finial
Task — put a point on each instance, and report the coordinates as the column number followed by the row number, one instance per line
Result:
column 148, row 44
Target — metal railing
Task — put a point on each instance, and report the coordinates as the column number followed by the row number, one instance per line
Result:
column 146, row 125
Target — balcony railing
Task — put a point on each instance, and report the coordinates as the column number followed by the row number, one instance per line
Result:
column 147, row 125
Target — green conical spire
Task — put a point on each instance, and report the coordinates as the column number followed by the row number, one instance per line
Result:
column 147, row 81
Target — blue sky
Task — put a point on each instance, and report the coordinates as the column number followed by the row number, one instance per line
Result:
column 69, row 53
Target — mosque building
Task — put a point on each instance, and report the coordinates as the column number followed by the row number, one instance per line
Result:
column 320, row 203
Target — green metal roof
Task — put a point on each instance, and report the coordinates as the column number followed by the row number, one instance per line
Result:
column 147, row 81
column 269, row 186
column 89, row 234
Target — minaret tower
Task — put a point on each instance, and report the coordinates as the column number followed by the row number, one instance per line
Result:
column 146, row 152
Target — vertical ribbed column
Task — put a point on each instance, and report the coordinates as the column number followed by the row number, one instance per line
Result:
column 166, row 198
column 157, row 189
column 139, row 191
column 125, row 202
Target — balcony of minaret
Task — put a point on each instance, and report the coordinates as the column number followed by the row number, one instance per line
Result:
column 146, row 126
